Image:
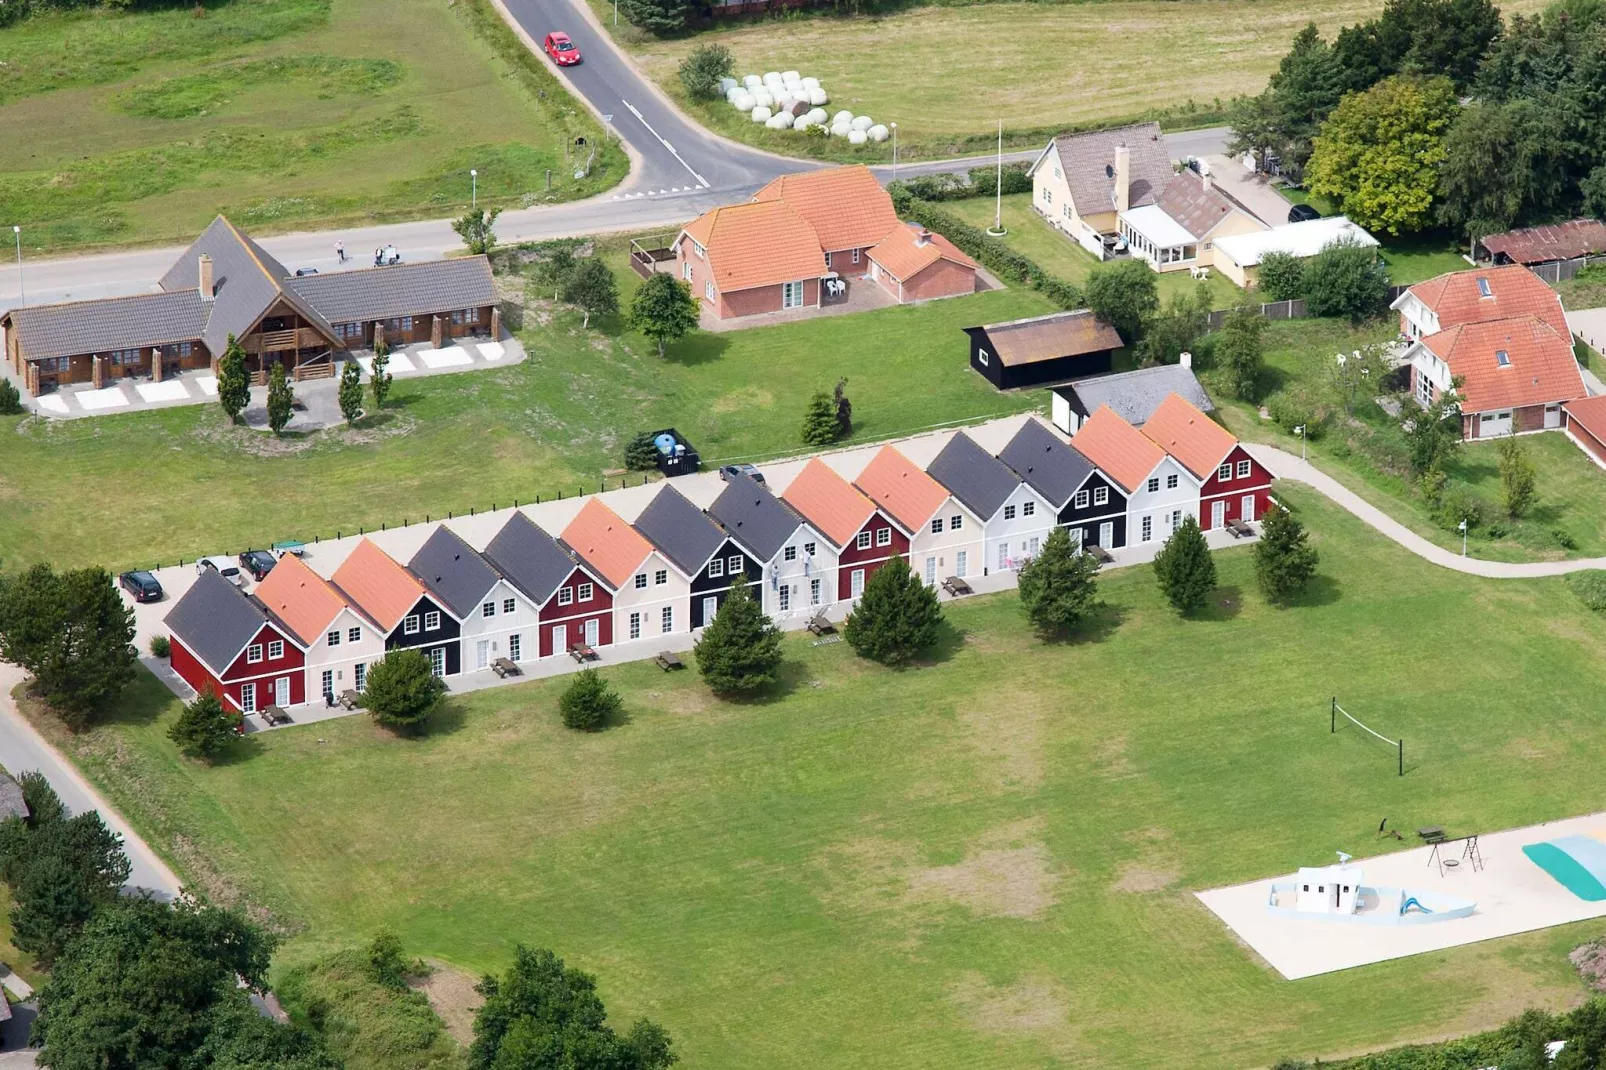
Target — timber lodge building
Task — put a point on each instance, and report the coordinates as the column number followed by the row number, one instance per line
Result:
column 226, row 285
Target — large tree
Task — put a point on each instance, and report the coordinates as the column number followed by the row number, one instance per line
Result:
column 1175, row 328
column 1300, row 95
column 543, row 1014
column 1284, row 559
column 1501, row 168
column 896, row 618
column 1184, row 567
column 740, row 651
column 1518, row 477
column 592, row 290
column 1438, row 37
column 1124, row 295
column 73, row 633
column 664, row 310
column 350, row 394
column 402, row 691
column 1058, row 588
column 1378, row 155
column 233, row 381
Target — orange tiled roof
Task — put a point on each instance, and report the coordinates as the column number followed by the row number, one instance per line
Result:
column 608, row 544
column 1189, row 435
column 1120, row 450
column 846, row 206
column 829, row 502
column 1514, row 291
column 1590, row 414
column 893, row 482
column 1541, row 368
column 903, row 254
column 378, row 585
column 751, row 245
column 301, row 598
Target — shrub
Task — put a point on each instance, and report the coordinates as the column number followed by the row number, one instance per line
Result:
column 1291, row 408
column 387, row 965
column 702, row 69
column 1281, row 276
column 402, row 691
column 820, row 427
column 1518, row 477
column 640, row 453
column 1058, row 588
column 984, row 180
column 1124, row 295
column 1457, row 503
column 896, row 618
column 161, row 647
column 588, row 702
column 1184, row 568
column 740, row 651
column 1590, row 587
column 1346, row 279
column 10, row 399
column 205, row 728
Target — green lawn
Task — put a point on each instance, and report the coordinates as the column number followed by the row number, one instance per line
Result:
column 154, row 486
column 138, row 127
column 1410, row 259
column 983, row 861
column 1368, row 454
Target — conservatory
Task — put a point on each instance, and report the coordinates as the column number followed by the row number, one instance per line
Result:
column 1151, row 234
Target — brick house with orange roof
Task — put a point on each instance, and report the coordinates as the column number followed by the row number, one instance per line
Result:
column 771, row 253
column 864, row 535
column 1504, row 334
column 946, row 536
column 1233, row 485
column 339, row 639
column 1160, row 490
column 650, row 592
column 397, row 602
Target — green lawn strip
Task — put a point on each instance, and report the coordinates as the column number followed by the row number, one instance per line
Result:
column 455, row 442
column 984, row 861
column 190, row 95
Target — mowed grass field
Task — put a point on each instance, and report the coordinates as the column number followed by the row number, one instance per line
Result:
column 985, row 860
column 139, row 127
column 947, row 75
column 147, row 487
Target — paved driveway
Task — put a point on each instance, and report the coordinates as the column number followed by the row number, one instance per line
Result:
column 1253, row 191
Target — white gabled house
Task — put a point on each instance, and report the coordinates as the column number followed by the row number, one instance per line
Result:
column 945, row 537
column 1015, row 519
column 496, row 619
column 797, row 562
column 1160, row 490
column 340, row 641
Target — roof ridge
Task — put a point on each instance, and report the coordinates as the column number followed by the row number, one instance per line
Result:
column 190, row 291
column 250, row 250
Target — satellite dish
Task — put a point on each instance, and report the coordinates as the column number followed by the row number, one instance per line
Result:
column 1109, row 170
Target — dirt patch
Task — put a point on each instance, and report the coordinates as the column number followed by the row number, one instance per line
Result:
column 1008, row 874
column 1110, row 760
column 1137, row 877
column 1035, row 1006
column 451, row 992
column 1590, row 961
column 1009, row 731
column 865, row 874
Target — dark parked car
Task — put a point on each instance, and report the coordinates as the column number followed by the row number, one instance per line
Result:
column 258, row 563
column 731, row 471
column 302, row 273
column 141, row 586
column 1301, row 213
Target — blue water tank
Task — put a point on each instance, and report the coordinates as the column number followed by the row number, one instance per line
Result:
column 665, row 443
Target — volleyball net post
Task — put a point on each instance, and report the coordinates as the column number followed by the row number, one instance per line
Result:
column 1335, row 711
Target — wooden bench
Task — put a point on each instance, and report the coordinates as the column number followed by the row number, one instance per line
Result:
column 504, row 668
column 956, row 586
column 273, row 716
column 1098, row 553
column 819, row 625
column 350, row 699
column 1240, row 529
column 581, row 652
column 668, row 660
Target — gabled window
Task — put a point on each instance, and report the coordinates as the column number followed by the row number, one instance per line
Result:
column 1171, row 481
column 583, row 592
column 1101, row 496
column 789, row 554
column 410, row 625
column 716, row 568
column 1154, row 484
column 956, row 522
column 936, row 525
column 1224, row 472
column 733, row 565
column 808, row 548
column 1009, row 512
column 1243, row 469
column 488, row 609
column 565, row 596
column 276, row 650
column 333, row 638
column 353, row 635
column 883, row 537
column 1081, row 499
column 509, row 605
column 1028, row 508
column 660, row 577
column 432, row 620
column 641, row 580
column 863, row 541
column 253, row 653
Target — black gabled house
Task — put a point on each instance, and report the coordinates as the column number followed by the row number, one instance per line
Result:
column 397, row 602
column 1083, row 497
column 700, row 549
column 1042, row 349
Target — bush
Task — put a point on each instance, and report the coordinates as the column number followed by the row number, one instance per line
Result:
column 364, row 1021
column 1590, row 587
column 1456, row 503
column 402, row 691
column 588, row 702
column 640, row 453
column 896, row 618
column 1346, row 279
column 1291, row 408
column 1124, row 294
column 984, row 180
column 1184, row 568
column 820, row 427
column 702, row 69
column 10, row 399
column 740, row 650
column 1059, row 587
column 387, row 965
column 1281, row 277
column 1284, row 559
column 205, row 728
column 161, row 647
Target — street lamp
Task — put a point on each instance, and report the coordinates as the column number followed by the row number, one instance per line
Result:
column 1463, row 527
column 1300, row 431
column 474, row 188
column 894, row 152
column 22, row 293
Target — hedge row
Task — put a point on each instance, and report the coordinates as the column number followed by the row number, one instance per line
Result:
column 991, row 253
column 982, row 182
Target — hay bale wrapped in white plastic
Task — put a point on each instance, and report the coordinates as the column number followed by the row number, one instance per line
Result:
column 840, row 129
column 784, row 101
column 862, row 123
column 763, row 98
column 784, row 121
column 842, row 117
column 791, row 76
column 811, row 83
column 773, row 122
column 743, row 101
column 856, row 137
column 760, row 114
column 878, row 132
column 726, row 84
column 817, row 96
column 773, row 78
column 752, row 81
column 802, row 126
column 816, row 116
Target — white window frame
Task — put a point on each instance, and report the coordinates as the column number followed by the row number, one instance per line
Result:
column 1082, row 499
column 716, row 568
column 956, row 522
column 1171, row 481
column 708, row 289
column 1244, row 469
column 660, row 577
column 509, row 605
column 883, row 537
column 354, row 635
column 855, row 256
column 1009, row 512
column 734, row 565
column 276, row 650
column 814, row 592
column 936, row 525
column 1154, row 484
column 792, row 294
column 584, row 592
column 565, row 596
column 488, row 609
column 1028, row 508
column 641, row 581
column 863, row 541
column 360, row 676
column 1224, row 470
column 432, row 620
column 515, row 647
column 1101, row 495
column 667, row 619
column 1147, row 529
column 789, row 554
column 410, row 625
column 784, row 593
column 635, row 626
column 253, row 654
column 248, row 697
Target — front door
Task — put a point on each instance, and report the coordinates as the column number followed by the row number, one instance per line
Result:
column 1552, row 416
column 931, row 572
column 710, row 609
column 1246, row 508
column 1107, row 535
column 961, row 563
column 591, row 632
column 560, row 639
column 248, row 698
column 281, row 691
column 482, row 654
column 437, row 661
column 856, row 583
column 1218, row 513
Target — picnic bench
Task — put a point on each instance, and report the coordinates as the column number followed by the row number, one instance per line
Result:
column 582, row 652
column 668, row 660
column 350, row 700
column 1240, row 529
column 289, row 546
column 820, row 625
column 273, row 716
column 956, row 586
column 1431, row 834
column 504, row 668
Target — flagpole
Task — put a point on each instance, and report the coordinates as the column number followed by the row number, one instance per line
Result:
column 997, row 229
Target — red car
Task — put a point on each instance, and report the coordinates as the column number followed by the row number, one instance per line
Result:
column 563, row 51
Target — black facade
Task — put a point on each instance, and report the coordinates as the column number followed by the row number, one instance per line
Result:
column 985, row 360
column 705, row 585
column 1091, row 516
column 445, row 637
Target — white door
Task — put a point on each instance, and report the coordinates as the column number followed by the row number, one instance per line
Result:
column 1246, row 508
column 1106, row 535
column 961, row 562
column 437, row 661
column 1494, row 424
column 856, row 577
column 710, row 609
column 482, row 654
column 591, row 632
column 1218, row 513
column 931, row 572
column 248, row 698
column 560, row 639
column 1552, row 415
column 281, row 691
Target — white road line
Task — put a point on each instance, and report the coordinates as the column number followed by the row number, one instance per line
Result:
column 701, row 181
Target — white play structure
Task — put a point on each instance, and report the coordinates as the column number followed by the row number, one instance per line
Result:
column 1338, row 893
column 786, row 100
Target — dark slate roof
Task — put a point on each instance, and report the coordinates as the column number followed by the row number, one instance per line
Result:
column 1134, row 396
column 419, row 289
column 453, row 572
column 529, row 558
column 680, row 530
column 1048, row 465
column 215, row 620
column 974, row 476
column 12, row 804
column 246, row 282
column 755, row 518
column 1088, row 161
column 77, row 327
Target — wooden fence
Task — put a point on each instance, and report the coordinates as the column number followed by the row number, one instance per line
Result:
column 1561, row 270
column 1286, row 310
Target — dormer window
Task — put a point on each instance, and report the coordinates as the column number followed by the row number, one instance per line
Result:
column 1483, row 287
column 1502, row 358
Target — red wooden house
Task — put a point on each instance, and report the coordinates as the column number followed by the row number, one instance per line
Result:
column 225, row 641
column 865, row 537
column 1235, row 485
column 575, row 604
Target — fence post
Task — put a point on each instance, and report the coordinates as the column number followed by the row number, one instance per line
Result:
column 1332, row 716
column 1402, row 757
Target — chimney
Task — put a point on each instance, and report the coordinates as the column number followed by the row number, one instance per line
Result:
column 1208, row 182
column 1123, row 178
column 1186, row 360
column 206, row 278
column 923, row 237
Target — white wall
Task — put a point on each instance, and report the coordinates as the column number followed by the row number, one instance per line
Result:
column 495, row 629
column 343, row 659
column 1160, row 504
column 1022, row 535
column 942, row 549
column 674, row 592
column 798, row 574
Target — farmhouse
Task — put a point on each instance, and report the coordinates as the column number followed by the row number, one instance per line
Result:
column 572, row 600
column 1502, row 332
column 1132, row 395
column 797, row 562
column 1081, row 183
column 1159, row 490
column 1042, row 349
column 863, row 535
column 944, row 534
column 1180, row 228
column 339, row 640
column 1085, row 500
column 408, row 616
column 225, row 285
column 226, row 642
column 493, row 615
column 647, row 587
column 1233, row 485
column 701, row 550
column 1013, row 517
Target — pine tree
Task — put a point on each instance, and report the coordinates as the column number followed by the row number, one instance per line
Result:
column 844, row 409
column 897, row 616
column 281, row 399
column 1185, row 569
column 72, row 631
column 205, row 728
column 10, row 399
column 1057, row 587
column 819, row 421
column 351, row 391
column 379, row 378
column 233, row 383
column 740, row 650
column 1284, row 559
column 588, row 702
column 402, row 690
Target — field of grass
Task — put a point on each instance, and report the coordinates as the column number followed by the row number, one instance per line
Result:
column 138, row 127
column 985, row 860
column 154, row 486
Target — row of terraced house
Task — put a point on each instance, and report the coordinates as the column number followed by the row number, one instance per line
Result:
column 526, row 593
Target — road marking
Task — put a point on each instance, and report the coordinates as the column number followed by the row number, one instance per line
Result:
column 701, row 181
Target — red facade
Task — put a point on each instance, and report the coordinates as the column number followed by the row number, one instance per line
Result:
column 1232, row 491
column 572, row 618
column 853, row 559
column 262, row 676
